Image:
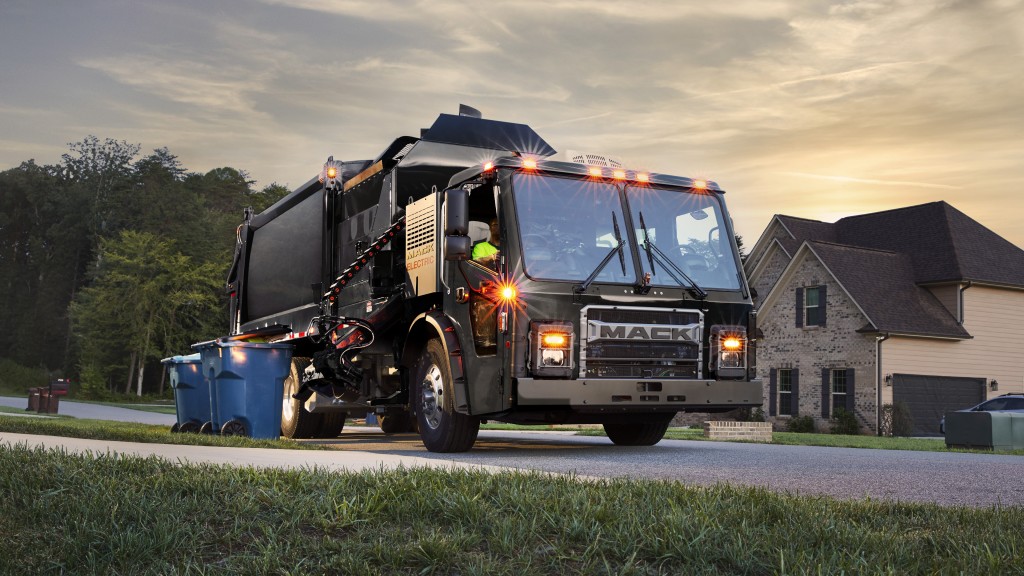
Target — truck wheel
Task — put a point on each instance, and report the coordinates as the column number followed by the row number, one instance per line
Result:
column 395, row 423
column 331, row 424
column 441, row 427
column 296, row 421
column 640, row 433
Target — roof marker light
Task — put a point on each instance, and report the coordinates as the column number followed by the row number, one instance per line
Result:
column 529, row 163
column 641, row 177
column 619, row 174
column 595, row 171
column 489, row 166
column 700, row 184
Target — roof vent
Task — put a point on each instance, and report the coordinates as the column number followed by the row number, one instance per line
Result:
column 593, row 159
column 469, row 111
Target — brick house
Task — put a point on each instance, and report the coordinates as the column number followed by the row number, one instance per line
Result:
column 920, row 305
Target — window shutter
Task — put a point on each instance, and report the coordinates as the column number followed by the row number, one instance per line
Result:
column 826, row 393
column 851, row 400
column 773, row 387
column 799, row 307
column 822, row 304
column 794, row 377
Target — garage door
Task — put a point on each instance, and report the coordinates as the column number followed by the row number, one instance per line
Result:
column 930, row 397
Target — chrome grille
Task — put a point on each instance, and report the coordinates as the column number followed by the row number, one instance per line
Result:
column 624, row 342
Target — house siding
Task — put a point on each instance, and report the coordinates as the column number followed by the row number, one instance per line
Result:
column 775, row 263
column 995, row 317
column 837, row 345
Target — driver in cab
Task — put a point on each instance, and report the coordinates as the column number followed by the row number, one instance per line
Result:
column 486, row 251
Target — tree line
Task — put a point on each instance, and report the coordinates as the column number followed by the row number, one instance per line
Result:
column 111, row 260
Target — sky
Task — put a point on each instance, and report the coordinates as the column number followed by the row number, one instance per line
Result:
column 812, row 109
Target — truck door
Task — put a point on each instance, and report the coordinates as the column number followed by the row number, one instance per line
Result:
column 475, row 303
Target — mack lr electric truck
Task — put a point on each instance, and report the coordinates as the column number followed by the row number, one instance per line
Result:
column 603, row 294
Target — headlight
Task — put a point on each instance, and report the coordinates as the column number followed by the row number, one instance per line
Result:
column 551, row 346
column 729, row 351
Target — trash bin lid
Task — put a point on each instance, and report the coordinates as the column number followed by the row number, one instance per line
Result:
column 190, row 359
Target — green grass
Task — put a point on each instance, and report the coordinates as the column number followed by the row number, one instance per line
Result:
column 131, row 432
column 126, row 515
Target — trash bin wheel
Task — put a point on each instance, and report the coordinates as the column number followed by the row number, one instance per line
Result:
column 188, row 428
column 174, row 429
column 234, row 428
column 206, row 428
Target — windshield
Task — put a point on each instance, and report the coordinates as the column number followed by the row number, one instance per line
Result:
column 689, row 229
column 567, row 226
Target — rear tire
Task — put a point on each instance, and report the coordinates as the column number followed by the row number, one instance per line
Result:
column 396, row 423
column 640, row 433
column 442, row 429
column 331, row 424
column 296, row 421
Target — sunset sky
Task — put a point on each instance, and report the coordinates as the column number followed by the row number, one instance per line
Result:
column 811, row 109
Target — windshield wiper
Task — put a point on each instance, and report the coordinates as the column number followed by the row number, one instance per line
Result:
column 582, row 287
column 655, row 253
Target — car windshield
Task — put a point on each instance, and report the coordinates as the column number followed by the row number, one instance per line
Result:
column 689, row 229
column 567, row 226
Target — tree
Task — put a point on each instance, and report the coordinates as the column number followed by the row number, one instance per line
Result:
column 145, row 300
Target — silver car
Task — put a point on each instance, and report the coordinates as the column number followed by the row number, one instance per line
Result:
column 1004, row 403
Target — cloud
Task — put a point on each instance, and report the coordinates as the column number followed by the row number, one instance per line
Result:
column 872, row 181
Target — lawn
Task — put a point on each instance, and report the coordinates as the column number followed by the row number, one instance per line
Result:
column 126, row 515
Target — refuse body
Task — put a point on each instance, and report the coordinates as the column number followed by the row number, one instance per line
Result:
column 246, row 385
column 191, row 392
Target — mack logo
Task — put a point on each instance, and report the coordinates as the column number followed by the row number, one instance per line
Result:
column 604, row 331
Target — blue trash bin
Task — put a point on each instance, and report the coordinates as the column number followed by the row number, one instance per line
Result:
column 246, row 385
column 191, row 392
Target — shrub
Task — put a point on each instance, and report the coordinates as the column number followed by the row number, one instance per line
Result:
column 896, row 420
column 757, row 415
column 844, row 422
column 802, row 424
column 16, row 379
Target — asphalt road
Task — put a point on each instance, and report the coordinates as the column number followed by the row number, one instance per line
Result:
column 846, row 473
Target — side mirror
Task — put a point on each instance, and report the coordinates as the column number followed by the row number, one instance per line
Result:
column 457, row 247
column 456, row 217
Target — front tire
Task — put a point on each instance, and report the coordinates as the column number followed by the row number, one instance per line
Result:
column 296, row 421
column 640, row 433
column 442, row 429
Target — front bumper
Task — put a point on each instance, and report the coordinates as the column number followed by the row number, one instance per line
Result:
column 689, row 395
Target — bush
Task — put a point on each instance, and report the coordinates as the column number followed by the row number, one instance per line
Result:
column 16, row 379
column 896, row 420
column 844, row 422
column 757, row 415
column 802, row 424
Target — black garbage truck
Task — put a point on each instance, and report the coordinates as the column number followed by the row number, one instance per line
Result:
column 467, row 275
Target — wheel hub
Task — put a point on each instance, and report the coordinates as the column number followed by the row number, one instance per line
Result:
column 431, row 391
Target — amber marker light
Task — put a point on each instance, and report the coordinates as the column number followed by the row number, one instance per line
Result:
column 508, row 292
column 529, row 163
column 554, row 339
column 643, row 177
column 619, row 174
column 595, row 171
column 332, row 172
column 732, row 343
column 489, row 166
column 700, row 184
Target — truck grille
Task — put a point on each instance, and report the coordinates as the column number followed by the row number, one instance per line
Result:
column 620, row 342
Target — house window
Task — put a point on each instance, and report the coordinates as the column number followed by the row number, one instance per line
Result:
column 785, row 392
column 839, row 390
column 812, row 306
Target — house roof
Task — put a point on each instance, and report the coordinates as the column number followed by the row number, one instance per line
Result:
column 942, row 243
column 888, row 295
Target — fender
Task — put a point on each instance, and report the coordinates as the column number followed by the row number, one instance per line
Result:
column 442, row 327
